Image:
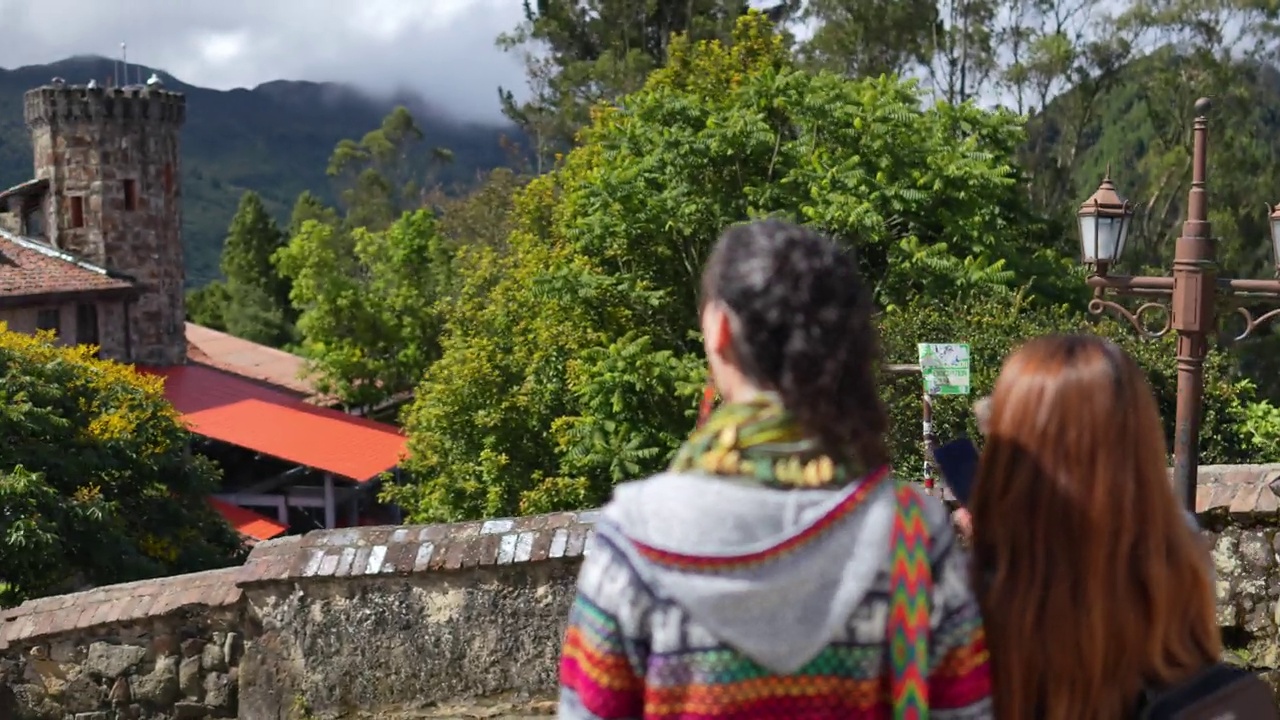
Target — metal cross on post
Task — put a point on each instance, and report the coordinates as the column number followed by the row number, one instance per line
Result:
column 1193, row 292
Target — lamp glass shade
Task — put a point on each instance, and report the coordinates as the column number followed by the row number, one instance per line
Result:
column 1102, row 237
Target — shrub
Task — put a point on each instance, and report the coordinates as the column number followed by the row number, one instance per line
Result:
column 995, row 323
column 96, row 485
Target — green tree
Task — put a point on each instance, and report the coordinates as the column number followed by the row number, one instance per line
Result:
column 96, row 484
column 257, row 298
column 581, row 52
column 367, row 299
column 207, row 305
column 862, row 38
column 964, row 56
column 568, row 359
column 309, row 207
column 380, row 176
column 482, row 216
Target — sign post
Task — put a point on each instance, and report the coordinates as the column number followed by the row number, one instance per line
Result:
column 945, row 369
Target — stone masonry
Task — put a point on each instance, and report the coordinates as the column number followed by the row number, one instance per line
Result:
column 111, row 156
column 152, row 649
column 444, row 621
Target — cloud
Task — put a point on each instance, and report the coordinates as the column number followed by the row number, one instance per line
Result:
column 443, row 49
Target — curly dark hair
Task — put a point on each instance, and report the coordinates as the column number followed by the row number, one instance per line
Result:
column 804, row 330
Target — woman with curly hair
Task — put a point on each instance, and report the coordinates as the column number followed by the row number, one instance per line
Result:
column 777, row 570
column 1096, row 590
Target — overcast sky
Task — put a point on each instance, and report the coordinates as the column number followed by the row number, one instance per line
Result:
column 443, row 49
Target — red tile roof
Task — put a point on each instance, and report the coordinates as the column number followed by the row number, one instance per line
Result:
column 28, row 268
column 237, row 356
column 252, row 525
column 221, row 406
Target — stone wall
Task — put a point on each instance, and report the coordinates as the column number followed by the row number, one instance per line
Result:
column 152, row 649
column 403, row 619
column 448, row 621
column 1237, row 507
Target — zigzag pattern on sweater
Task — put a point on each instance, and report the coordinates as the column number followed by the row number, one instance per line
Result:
column 911, row 582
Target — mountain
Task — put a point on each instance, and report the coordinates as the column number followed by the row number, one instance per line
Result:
column 274, row 139
column 1139, row 132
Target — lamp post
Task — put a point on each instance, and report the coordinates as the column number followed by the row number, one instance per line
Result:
column 1193, row 292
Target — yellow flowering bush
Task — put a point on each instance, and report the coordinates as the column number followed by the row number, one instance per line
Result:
column 95, row 483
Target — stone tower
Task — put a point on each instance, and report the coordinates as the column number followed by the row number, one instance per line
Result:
column 111, row 156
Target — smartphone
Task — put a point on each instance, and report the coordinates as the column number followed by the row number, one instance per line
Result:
column 958, row 463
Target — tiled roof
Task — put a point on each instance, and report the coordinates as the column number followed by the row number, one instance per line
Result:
column 229, row 353
column 255, row 527
column 30, row 268
column 225, row 407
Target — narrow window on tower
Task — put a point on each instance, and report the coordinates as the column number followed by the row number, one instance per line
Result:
column 77, row 211
column 168, row 179
column 130, row 195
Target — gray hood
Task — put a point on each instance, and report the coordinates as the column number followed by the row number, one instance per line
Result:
column 780, row 614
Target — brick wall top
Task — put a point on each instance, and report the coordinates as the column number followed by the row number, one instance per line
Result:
column 373, row 551
column 390, row 551
column 1238, row 488
column 126, row 602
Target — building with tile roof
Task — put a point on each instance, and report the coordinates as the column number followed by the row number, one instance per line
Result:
column 273, row 368
column 91, row 250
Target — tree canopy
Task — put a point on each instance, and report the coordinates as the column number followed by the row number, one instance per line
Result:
column 581, row 52
column 548, row 323
column 96, row 483
column 568, row 362
column 368, row 320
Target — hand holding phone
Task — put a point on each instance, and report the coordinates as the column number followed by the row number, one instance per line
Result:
column 958, row 463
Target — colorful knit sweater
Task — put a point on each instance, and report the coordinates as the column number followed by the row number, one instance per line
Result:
column 700, row 598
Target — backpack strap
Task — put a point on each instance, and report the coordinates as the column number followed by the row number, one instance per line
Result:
column 911, row 590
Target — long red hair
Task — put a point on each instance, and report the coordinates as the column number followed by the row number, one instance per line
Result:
column 1092, row 584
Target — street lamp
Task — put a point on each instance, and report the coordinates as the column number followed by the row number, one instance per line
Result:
column 1275, row 236
column 1193, row 292
column 1104, row 226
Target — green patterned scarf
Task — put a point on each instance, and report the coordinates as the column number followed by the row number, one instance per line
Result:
column 761, row 441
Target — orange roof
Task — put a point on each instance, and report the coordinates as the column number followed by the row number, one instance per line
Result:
column 249, row 359
column 240, row 412
column 252, row 525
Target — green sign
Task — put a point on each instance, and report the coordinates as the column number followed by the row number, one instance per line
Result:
column 945, row 367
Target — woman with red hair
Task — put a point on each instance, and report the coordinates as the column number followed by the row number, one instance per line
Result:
column 1094, row 587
